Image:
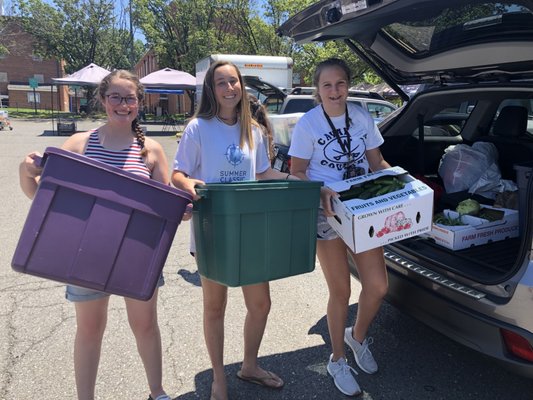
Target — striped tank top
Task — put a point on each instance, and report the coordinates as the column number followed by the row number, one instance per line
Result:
column 128, row 159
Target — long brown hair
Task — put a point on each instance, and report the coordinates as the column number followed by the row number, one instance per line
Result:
column 259, row 114
column 209, row 107
column 139, row 92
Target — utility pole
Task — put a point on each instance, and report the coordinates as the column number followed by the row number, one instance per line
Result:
column 132, row 53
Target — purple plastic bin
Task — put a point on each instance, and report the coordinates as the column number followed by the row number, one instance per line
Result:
column 99, row 227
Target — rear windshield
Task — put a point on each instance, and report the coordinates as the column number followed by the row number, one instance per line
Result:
column 460, row 26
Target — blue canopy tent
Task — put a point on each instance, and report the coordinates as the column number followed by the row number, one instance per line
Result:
column 164, row 91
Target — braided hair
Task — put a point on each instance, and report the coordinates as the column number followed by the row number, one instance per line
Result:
column 124, row 74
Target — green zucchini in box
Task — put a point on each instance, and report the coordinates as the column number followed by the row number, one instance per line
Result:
column 375, row 187
column 381, row 208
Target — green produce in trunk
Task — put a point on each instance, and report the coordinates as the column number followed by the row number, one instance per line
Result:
column 468, row 207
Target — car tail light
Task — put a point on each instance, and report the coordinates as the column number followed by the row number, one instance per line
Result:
column 517, row 345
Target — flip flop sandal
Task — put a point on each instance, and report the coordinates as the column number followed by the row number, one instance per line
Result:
column 265, row 380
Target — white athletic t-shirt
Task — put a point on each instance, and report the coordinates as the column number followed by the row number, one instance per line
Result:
column 209, row 150
column 313, row 140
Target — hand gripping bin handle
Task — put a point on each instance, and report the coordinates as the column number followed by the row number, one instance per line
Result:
column 96, row 226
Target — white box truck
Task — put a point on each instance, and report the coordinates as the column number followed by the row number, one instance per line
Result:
column 275, row 70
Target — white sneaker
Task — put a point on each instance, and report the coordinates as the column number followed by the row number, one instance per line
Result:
column 341, row 373
column 362, row 354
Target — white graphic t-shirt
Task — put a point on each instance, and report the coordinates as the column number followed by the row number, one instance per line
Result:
column 313, row 140
column 209, row 150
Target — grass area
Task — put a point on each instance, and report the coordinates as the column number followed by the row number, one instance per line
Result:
column 29, row 113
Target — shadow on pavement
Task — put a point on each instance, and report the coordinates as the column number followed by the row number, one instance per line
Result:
column 415, row 363
column 191, row 277
column 304, row 373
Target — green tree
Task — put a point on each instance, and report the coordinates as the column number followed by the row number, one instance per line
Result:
column 79, row 32
column 181, row 32
column 305, row 56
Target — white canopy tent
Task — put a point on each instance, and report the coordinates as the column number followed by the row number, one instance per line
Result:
column 91, row 75
column 168, row 78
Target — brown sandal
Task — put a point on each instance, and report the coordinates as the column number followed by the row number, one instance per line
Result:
column 269, row 380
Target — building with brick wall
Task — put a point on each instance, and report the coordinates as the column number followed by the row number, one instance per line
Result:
column 21, row 68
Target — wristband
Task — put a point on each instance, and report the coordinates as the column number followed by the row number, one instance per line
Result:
column 287, row 177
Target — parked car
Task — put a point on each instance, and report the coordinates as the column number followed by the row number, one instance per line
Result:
column 351, row 92
column 473, row 60
column 277, row 102
column 296, row 103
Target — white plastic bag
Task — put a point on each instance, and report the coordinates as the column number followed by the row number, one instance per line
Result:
column 488, row 183
column 462, row 165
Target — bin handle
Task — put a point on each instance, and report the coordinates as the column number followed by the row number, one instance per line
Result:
column 201, row 190
column 40, row 160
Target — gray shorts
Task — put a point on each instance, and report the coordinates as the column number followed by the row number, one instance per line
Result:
column 324, row 230
column 79, row 294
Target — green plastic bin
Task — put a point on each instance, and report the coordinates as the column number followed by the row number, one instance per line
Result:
column 251, row 232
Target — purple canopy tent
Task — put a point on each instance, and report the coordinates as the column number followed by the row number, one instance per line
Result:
column 168, row 80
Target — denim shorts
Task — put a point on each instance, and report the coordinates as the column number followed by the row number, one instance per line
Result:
column 324, row 230
column 79, row 294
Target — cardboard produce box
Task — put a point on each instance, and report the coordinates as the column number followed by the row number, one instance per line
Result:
column 385, row 218
column 477, row 231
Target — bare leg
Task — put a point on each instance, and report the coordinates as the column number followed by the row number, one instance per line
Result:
column 334, row 262
column 215, row 299
column 142, row 317
column 91, row 319
column 374, row 284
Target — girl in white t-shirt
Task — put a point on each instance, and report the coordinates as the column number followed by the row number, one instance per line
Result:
column 334, row 141
column 222, row 144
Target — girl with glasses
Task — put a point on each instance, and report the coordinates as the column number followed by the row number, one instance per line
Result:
column 119, row 142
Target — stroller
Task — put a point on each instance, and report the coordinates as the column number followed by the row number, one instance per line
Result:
column 4, row 121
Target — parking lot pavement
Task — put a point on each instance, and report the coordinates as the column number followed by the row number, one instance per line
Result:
column 37, row 327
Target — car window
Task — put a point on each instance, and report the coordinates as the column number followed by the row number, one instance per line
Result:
column 273, row 104
column 448, row 122
column 458, row 25
column 378, row 110
column 299, row 105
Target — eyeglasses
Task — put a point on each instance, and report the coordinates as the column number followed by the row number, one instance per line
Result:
column 115, row 99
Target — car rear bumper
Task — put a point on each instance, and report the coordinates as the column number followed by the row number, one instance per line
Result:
column 466, row 326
